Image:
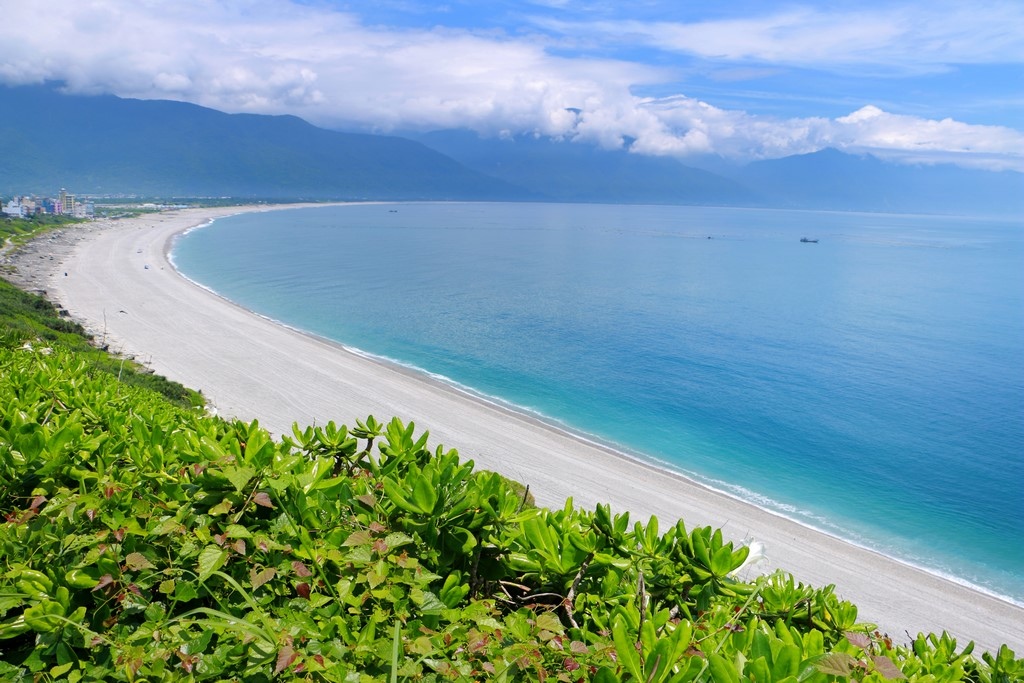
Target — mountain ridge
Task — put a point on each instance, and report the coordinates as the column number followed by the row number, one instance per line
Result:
column 104, row 144
column 828, row 179
column 575, row 172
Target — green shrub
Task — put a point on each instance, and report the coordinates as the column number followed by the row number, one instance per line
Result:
column 145, row 541
column 29, row 318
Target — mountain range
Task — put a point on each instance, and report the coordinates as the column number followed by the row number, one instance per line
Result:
column 110, row 145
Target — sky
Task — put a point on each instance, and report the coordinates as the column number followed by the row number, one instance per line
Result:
column 931, row 81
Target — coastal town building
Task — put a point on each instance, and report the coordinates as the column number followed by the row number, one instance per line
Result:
column 15, row 209
column 63, row 204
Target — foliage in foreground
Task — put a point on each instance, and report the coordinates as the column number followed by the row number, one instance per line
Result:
column 142, row 541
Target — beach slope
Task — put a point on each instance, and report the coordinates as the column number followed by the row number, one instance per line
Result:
column 116, row 278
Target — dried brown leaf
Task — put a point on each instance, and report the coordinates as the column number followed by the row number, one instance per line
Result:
column 861, row 640
column 263, row 499
column 887, row 668
column 285, row 656
column 257, row 579
column 137, row 561
column 837, row 664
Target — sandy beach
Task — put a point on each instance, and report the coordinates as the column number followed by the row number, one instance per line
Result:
column 115, row 278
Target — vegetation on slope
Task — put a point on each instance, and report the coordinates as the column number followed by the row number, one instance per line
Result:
column 144, row 541
column 29, row 318
column 17, row 230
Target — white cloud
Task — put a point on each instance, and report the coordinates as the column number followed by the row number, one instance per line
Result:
column 901, row 37
column 905, row 138
column 276, row 56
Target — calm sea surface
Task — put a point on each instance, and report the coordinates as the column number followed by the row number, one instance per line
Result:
column 870, row 385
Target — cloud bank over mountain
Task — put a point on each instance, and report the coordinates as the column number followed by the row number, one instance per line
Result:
column 569, row 72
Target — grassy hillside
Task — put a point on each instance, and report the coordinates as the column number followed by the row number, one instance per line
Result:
column 143, row 540
column 32, row 320
column 17, row 230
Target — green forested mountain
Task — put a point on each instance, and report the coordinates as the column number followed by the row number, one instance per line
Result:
column 576, row 172
column 108, row 145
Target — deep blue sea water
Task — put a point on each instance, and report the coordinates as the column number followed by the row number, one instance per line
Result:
column 870, row 385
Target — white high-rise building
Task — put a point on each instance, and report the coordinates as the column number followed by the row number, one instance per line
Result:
column 14, row 208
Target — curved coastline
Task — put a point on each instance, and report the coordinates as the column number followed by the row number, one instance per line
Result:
column 639, row 458
column 815, row 521
column 554, row 459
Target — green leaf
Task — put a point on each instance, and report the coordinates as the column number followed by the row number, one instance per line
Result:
column 239, row 476
column 722, row 670
column 167, row 526
column 221, row 508
column 397, row 539
column 257, row 579
column 44, row 617
column 546, row 621
column 211, row 559
column 397, row 495
column 185, row 591
column 237, row 531
column 625, row 648
column 787, row 661
column 725, row 560
column 424, row 495
column 396, row 649
column 426, row 601
column 59, row 671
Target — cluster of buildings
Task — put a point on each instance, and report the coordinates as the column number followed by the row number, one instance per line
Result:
column 63, row 204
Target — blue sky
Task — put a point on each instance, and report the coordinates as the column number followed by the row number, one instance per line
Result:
column 915, row 81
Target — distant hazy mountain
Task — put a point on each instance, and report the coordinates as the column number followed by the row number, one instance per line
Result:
column 106, row 144
column 574, row 172
column 830, row 179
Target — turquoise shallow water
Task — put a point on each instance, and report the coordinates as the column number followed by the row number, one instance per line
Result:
column 870, row 385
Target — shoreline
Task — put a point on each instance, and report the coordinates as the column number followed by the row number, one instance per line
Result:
column 633, row 457
column 231, row 354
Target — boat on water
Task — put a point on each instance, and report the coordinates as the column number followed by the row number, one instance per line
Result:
column 808, row 240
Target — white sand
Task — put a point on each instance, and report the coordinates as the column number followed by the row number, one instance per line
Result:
column 250, row 367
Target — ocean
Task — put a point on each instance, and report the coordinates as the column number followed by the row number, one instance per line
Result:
column 869, row 384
